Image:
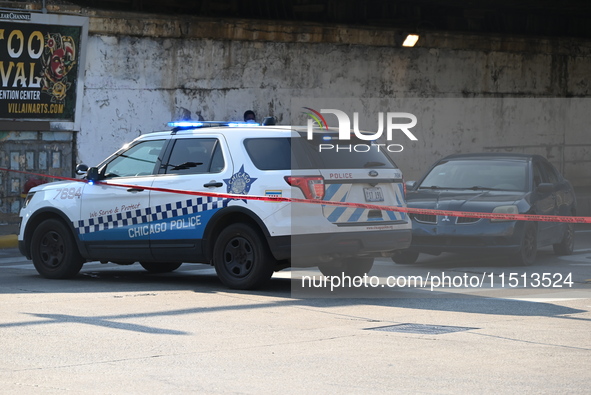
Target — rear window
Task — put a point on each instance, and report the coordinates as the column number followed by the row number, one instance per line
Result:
column 269, row 153
column 284, row 153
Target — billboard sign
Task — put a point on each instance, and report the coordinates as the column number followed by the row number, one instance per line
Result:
column 40, row 67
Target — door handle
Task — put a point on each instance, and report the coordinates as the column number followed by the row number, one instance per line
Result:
column 213, row 184
column 135, row 190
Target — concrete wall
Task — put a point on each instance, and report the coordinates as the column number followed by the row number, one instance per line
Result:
column 470, row 93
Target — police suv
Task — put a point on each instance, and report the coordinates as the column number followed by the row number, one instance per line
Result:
column 208, row 193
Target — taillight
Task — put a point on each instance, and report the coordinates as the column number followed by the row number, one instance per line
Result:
column 312, row 186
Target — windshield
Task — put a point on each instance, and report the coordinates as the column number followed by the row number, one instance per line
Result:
column 507, row 175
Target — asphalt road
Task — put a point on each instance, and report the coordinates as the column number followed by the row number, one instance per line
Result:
column 118, row 329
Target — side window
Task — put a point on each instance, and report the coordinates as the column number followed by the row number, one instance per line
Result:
column 217, row 162
column 539, row 176
column 138, row 160
column 269, row 153
column 551, row 173
column 195, row 156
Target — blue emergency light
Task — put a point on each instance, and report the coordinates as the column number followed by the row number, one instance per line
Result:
column 241, row 124
column 185, row 124
column 181, row 125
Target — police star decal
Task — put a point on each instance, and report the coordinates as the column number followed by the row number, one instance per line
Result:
column 239, row 183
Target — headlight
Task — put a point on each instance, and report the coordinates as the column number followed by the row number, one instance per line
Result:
column 505, row 210
column 28, row 198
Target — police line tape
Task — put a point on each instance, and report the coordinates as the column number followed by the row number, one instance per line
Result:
column 408, row 210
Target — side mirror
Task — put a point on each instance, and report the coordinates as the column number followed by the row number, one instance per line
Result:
column 81, row 169
column 92, row 174
column 545, row 187
column 410, row 184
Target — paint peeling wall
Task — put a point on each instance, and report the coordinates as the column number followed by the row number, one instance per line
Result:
column 140, row 76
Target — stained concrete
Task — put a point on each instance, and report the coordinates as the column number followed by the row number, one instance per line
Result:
column 143, row 71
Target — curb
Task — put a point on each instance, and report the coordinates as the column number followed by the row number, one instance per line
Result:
column 9, row 241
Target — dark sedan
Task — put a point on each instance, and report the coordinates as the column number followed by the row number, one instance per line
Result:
column 490, row 183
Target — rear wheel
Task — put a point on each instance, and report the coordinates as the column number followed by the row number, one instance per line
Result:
column 241, row 257
column 405, row 257
column 54, row 251
column 529, row 246
column 358, row 266
column 567, row 244
column 160, row 267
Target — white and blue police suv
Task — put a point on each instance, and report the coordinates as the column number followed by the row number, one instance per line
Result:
column 132, row 207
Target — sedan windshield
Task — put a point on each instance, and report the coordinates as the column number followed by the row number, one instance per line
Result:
column 503, row 175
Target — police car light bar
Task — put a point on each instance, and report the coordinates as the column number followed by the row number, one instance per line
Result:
column 184, row 125
column 240, row 124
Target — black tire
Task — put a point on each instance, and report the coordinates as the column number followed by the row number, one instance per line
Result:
column 358, row 266
column 567, row 244
column 529, row 246
column 160, row 267
column 405, row 257
column 241, row 257
column 54, row 251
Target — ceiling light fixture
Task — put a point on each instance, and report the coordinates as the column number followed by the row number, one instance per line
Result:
column 410, row 40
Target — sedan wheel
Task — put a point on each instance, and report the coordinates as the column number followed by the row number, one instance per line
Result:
column 567, row 244
column 529, row 246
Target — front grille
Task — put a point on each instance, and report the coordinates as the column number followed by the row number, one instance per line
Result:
column 467, row 220
column 425, row 218
column 459, row 241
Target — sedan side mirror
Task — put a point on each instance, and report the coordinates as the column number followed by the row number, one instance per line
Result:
column 545, row 187
column 410, row 184
column 92, row 174
column 81, row 169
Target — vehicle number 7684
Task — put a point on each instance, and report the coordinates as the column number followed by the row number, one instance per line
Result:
column 68, row 193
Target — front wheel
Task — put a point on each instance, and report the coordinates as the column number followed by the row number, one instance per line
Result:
column 567, row 244
column 529, row 246
column 160, row 267
column 358, row 266
column 54, row 251
column 241, row 257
